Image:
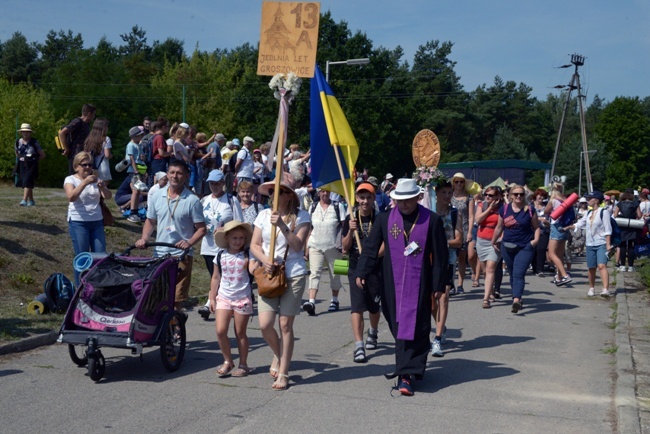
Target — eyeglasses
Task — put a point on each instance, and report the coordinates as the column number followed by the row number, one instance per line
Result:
column 86, row 165
column 459, row 182
column 490, row 195
column 518, row 194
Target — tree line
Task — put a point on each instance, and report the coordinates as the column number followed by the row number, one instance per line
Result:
column 386, row 102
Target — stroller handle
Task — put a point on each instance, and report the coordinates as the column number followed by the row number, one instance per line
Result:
column 127, row 252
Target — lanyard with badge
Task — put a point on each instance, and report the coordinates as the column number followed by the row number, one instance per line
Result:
column 171, row 229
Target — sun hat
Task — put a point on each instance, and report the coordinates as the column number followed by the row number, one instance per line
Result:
column 215, row 175
column 406, row 188
column 135, row 132
column 366, row 186
column 257, row 151
column 249, row 139
column 220, row 234
column 235, row 142
column 389, row 176
column 25, row 127
column 286, row 182
column 459, row 175
column 582, row 200
column 220, row 136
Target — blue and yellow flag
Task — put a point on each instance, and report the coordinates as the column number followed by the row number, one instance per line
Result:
column 329, row 127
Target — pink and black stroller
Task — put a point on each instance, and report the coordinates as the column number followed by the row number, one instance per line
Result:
column 125, row 302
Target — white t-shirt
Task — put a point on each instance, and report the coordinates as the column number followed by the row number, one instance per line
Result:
column 325, row 226
column 247, row 165
column 152, row 191
column 295, row 265
column 86, row 207
column 235, row 282
column 216, row 213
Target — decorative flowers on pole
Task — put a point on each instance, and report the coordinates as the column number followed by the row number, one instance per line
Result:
column 285, row 86
column 428, row 176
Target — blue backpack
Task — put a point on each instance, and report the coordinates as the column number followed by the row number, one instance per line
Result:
column 59, row 291
column 615, row 238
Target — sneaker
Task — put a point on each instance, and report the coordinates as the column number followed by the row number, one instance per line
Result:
column 555, row 280
column 443, row 336
column 126, row 213
column 591, row 292
column 631, row 269
column 605, row 293
column 460, row 290
column 134, row 218
column 334, row 306
column 360, row 355
column 309, row 307
column 404, row 385
column 23, row 203
column 204, row 311
column 563, row 281
column 541, row 275
column 31, row 203
column 436, row 350
column 452, row 291
column 371, row 341
column 621, row 268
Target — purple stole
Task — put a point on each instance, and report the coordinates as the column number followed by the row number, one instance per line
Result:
column 407, row 270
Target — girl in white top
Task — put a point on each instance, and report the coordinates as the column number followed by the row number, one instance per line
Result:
column 231, row 294
column 218, row 209
column 292, row 227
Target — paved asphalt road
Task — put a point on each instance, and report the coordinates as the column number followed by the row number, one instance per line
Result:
column 547, row 369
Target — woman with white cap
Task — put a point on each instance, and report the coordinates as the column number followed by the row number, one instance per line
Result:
column 218, row 209
column 461, row 201
column 291, row 226
column 28, row 153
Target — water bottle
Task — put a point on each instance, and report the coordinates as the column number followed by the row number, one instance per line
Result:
column 122, row 165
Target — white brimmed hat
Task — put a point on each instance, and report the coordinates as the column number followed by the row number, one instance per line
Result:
column 406, row 188
column 25, row 127
column 220, row 234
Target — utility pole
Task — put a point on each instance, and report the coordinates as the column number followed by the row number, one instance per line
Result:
column 577, row 61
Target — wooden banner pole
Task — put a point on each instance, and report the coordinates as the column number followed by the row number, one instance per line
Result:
column 345, row 189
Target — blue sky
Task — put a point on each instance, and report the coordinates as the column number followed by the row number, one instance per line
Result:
column 518, row 40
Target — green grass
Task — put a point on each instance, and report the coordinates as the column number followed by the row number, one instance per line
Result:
column 34, row 243
column 611, row 349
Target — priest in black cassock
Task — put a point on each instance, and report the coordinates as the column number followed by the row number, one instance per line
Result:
column 414, row 267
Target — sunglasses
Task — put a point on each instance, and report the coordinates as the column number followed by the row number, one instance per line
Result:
column 490, row 195
column 271, row 191
column 459, row 182
column 518, row 194
column 86, row 165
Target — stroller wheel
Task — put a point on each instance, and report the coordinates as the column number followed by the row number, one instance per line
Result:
column 96, row 366
column 172, row 342
column 79, row 361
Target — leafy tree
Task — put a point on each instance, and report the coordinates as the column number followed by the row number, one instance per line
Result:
column 135, row 43
column 625, row 129
column 18, row 59
column 507, row 146
column 57, row 48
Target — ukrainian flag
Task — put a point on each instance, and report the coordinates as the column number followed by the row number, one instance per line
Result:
column 329, row 127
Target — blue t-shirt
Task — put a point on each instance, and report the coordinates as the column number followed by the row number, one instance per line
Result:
column 517, row 226
column 175, row 218
column 133, row 149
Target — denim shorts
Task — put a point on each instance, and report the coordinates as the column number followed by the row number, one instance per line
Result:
column 558, row 235
column 596, row 255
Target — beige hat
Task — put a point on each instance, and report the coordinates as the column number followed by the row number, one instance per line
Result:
column 248, row 139
column 25, row 127
column 220, row 234
column 266, row 188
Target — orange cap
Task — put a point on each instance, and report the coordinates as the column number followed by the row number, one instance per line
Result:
column 366, row 186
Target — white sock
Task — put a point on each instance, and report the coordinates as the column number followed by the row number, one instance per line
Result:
column 358, row 344
column 335, row 299
column 312, row 300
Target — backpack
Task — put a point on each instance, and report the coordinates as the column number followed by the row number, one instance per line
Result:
column 146, row 145
column 568, row 218
column 59, row 291
column 615, row 238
